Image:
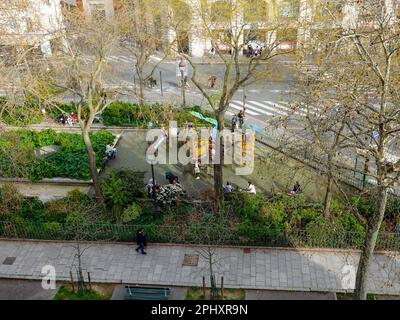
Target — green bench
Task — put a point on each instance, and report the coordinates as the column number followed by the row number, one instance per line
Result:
column 146, row 293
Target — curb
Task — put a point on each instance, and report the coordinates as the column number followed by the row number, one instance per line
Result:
column 125, row 281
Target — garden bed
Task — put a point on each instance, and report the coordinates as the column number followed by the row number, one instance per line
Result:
column 95, row 292
column 196, row 293
column 18, row 159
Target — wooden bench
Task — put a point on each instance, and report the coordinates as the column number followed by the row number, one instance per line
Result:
column 146, row 293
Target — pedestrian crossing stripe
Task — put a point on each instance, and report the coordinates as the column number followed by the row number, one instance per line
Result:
column 271, row 108
column 233, row 105
column 250, row 109
column 119, row 59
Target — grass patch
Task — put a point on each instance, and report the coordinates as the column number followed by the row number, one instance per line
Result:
column 97, row 293
column 196, row 293
column 370, row 296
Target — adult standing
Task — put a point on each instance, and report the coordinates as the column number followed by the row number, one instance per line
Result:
column 212, row 53
column 182, row 69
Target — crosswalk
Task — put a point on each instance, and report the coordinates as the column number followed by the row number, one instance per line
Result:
column 266, row 108
column 112, row 58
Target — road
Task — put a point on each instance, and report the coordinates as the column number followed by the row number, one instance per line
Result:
column 263, row 100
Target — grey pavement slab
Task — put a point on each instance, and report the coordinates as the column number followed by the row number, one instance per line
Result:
column 263, row 268
column 15, row 289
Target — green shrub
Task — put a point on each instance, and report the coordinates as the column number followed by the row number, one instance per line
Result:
column 53, row 228
column 133, row 182
column 114, row 191
column 32, row 210
column 131, row 213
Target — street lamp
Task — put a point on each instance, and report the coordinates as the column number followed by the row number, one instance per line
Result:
column 151, row 155
column 181, row 71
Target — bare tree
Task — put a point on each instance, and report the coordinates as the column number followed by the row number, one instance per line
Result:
column 362, row 59
column 144, row 34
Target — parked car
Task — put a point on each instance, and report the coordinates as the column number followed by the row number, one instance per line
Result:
column 253, row 46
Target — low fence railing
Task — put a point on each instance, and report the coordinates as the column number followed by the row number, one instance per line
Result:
column 193, row 234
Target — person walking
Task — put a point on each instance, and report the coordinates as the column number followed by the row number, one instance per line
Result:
column 141, row 241
column 241, row 117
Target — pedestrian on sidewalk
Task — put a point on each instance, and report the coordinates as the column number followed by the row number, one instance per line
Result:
column 141, row 241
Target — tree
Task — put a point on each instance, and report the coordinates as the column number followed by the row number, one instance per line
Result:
column 143, row 28
column 377, row 124
column 362, row 59
column 211, row 233
column 223, row 25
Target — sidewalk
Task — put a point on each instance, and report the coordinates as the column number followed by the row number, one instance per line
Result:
column 249, row 268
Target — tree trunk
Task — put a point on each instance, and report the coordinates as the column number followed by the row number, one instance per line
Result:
column 93, row 166
column 328, row 196
column 218, row 167
column 81, row 279
column 371, row 236
column 142, row 97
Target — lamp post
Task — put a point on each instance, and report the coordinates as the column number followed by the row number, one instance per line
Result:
column 161, row 86
column 183, row 88
column 154, row 182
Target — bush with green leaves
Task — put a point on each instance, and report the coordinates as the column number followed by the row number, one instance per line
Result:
column 121, row 188
column 133, row 115
column 131, row 213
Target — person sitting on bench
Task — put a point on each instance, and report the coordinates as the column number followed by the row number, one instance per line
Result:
column 151, row 83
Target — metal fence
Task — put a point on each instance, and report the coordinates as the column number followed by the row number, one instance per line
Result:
column 313, row 160
column 185, row 234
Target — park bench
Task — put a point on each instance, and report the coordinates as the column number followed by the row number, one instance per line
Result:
column 146, row 293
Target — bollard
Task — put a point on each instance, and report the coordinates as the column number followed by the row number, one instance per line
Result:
column 204, row 287
column 222, row 287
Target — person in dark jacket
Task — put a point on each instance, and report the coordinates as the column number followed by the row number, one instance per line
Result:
column 141, row 241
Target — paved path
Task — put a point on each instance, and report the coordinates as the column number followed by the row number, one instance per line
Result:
column 256, row 268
